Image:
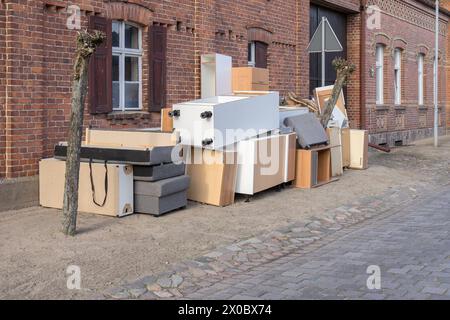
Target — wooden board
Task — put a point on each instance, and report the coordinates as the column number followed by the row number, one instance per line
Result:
column 291, row 148
column 250, row 79
column 166, row 120
column 130, row 138
column 213, row 176
column 336, row 161
column 345, row 140
column 359, row 147
column 322, row 94
column 313, row 167
column 119, row 201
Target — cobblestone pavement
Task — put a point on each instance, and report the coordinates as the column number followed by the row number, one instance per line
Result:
column 404, row 232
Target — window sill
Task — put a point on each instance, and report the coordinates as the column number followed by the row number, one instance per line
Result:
column 124, row 115
column 382, row 107
column 399, row 107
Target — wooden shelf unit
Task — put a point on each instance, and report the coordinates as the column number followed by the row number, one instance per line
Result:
column 313, row 167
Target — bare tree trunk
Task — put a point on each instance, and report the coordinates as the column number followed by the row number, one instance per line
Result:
column 86, row 45
column 343, row 70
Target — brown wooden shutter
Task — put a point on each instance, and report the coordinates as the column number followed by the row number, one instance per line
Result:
column 100, row 69
column 260, row 54
column 157, row 42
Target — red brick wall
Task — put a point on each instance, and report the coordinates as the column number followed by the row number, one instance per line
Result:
column 446, row 5
column 2, row 91
column 414, row 31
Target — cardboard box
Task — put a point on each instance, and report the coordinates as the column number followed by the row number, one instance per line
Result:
column 213, row 176
column 119, row 200
column 359, row 147
column 313, row 167
column 250, row 79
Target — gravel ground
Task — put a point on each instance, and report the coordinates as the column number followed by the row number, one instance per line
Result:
column 111, row 251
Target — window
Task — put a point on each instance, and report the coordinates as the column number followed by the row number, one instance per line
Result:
column 126, row 66
column 251, row 54
column 398, row 76
column 420, row 79
column 379, row 74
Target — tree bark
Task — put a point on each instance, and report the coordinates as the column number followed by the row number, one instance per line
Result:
column 343, row 69
column 86, row 45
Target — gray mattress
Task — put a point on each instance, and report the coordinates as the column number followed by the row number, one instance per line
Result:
column 158, row 172
column 159, row 205
column 162, row 188
column 308, row 129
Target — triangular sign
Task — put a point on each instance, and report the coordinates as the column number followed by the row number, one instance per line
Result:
column 324, row 39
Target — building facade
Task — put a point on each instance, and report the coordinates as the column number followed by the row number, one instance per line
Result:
column 152, row 60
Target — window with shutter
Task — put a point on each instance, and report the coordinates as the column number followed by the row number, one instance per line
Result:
column 100, row 81
column 157, row 37
column 260, row 54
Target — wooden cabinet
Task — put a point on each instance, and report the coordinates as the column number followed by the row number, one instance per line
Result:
column 265, row 162
column 119, row 199
column 359, row 145
column 215, row 75
column 312, row 167
column 250, row 79
column 209, row 123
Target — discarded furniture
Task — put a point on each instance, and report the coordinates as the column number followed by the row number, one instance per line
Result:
column 122, row 155
column 335, row 137
column 309, row 131
column 345, row 141
column 159, row 197
column 158, row 172
column 138, row 138
column 216, row 122
column 312, row 167
column 339, row 115
column 213, row 175
column 359, row 145
column 166, row 120
column 250, row 79
column 103, row 189
column 263, row 163
column 286, row 112
column 215, row 75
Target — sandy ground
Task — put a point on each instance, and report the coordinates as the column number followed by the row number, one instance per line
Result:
column 35, row 255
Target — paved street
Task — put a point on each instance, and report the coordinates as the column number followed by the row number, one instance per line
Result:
column 411, row 247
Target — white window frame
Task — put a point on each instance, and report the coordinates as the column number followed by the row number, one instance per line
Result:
column 123, row 52
column 379, row 74
column 420, row 81
column 252, row 62
column 398, row 76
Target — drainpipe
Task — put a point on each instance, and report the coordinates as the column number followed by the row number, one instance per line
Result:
column 362, row 60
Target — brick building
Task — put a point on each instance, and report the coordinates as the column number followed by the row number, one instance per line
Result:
column 153, row 53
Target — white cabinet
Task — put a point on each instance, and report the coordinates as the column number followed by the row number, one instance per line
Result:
column 220, row 121
column 215, row 75
column 265, row 162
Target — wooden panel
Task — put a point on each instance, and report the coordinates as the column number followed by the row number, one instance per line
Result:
column 359, row 140
column 323, row 94
column 336, row 161
column 212, row 180
column 166, row 120
column 309, row 172
column 345, row 140
column 119, row 201
column 130, row 138
column 100, row 69
column 324, row 166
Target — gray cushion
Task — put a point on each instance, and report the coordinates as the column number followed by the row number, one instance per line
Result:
column 159, row 205
column 163, row 187
column 158, row 172
column 309, row 130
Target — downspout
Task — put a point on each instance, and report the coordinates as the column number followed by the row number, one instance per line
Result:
column 362, row 59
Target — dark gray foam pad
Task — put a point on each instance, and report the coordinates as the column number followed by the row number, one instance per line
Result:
column 308, row 128
column 163, row 187
column 159, row 205
column 149, row 156
column 158, row 172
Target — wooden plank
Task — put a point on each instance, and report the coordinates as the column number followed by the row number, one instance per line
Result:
column 336, row 161
column 130, row 138
column 166, row 120
column 345, row 140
